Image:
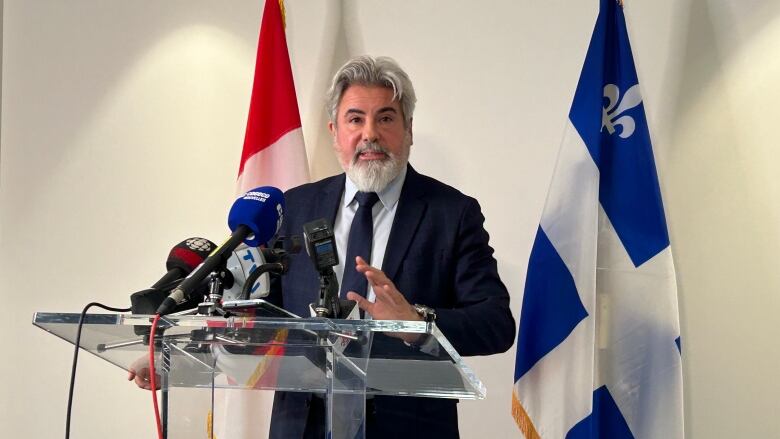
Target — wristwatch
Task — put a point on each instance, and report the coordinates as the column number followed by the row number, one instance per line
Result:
column 426, row 312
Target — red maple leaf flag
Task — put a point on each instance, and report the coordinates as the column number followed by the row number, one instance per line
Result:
column 274, row 153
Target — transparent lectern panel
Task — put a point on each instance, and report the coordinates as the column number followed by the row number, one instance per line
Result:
column 347, row 398
column 281, row 353
column 192, row 412
column 104, row 335
column 415, row 359
column 203, row 361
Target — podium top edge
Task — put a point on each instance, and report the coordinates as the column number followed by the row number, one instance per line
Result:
column 314, row 323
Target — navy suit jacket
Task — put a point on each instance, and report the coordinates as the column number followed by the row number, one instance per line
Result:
column 437, row 255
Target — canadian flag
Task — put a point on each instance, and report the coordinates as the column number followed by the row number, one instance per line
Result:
column 274, row 153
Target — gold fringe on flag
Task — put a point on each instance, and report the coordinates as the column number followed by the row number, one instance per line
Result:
column 284, row 13
column 210, row 426
column 522, row 419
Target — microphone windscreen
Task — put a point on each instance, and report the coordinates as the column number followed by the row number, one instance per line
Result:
column 261, row 210
column 189, row 253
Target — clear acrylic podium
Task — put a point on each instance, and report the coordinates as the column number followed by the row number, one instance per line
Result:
column 342, row 361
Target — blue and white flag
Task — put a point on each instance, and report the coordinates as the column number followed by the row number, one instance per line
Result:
column 598, row 351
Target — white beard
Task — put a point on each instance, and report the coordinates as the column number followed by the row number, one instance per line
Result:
column 375, row 175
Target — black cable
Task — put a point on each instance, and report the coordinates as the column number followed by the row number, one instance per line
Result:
column 271, row 267
column 76, row 357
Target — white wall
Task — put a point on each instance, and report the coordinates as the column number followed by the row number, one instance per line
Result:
column 122, row 124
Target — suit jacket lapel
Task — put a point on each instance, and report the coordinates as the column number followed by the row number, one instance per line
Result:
column 411, row 207
column 327, row 204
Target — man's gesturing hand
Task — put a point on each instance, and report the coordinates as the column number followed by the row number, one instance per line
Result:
column 389, row 303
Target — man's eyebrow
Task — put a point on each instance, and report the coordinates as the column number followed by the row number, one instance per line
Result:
column 381, row 110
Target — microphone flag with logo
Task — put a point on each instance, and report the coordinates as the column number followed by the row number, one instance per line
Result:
column 261, row 211
column 598, row 346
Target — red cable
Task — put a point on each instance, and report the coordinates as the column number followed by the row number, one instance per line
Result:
column 152, row 377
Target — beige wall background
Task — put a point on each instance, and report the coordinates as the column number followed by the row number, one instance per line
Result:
column 122, row 124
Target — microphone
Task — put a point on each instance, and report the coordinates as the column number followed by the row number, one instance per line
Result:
column 242, row 264
column 321, row 247
column 252, row 267
column 254, row 219
column 182, row 259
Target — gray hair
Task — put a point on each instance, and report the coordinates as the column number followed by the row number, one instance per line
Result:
column 366, row 70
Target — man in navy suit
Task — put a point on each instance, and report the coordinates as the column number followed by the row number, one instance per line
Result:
column 429, row 251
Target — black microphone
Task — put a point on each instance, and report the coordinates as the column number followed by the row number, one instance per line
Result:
column 182, row 259
column 321, row 247
column 255, row 217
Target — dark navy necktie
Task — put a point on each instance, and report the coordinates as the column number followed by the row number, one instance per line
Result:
column 361, row 238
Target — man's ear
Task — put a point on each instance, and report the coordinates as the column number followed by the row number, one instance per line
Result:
column 332, row 129
column 411, row 133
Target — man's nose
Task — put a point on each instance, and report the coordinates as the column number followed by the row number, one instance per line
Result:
column 369, row 132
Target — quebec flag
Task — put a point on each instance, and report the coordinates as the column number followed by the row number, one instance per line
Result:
column 598, row 352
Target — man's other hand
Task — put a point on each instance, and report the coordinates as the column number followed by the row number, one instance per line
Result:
column 139, row 372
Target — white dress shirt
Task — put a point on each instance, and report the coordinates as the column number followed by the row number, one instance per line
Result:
column 383, row 213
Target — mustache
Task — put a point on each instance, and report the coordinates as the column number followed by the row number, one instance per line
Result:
column 369, row 147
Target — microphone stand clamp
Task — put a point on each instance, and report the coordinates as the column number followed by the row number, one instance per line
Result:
column 212, row 304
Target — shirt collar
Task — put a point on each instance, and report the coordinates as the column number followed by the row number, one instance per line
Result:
column 388, row 196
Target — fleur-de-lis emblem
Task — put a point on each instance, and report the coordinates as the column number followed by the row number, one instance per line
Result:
column 611, row 116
